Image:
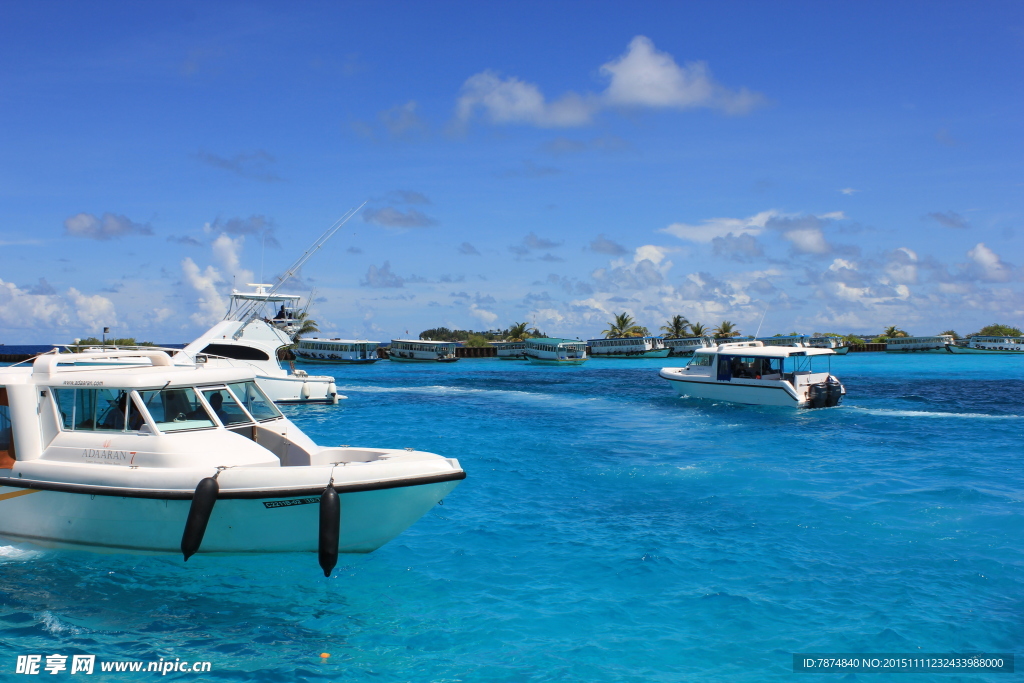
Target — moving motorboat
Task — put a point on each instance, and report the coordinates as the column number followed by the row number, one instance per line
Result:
column 752, row 373
column 167, row 458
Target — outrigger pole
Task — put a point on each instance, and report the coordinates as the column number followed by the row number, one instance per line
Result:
column 249, row 312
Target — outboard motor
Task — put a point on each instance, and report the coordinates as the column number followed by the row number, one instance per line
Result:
column 817, row 395
column 835, row 392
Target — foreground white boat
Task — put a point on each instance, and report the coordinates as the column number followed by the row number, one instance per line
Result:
column 752, row 373
column 166, row 458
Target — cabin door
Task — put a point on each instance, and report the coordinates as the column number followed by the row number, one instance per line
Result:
column 6, row 432
column 724, row 368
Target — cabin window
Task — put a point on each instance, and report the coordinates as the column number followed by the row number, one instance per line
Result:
column 97, row 410
column 255, row 401
column 6, row 432
column 235, row 352
column 700, row 359
column 176, row 409
column 225, row 407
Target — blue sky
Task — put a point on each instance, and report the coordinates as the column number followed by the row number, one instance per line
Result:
column 846, row 165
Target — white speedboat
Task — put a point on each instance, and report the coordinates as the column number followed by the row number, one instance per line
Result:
column 246, row 339
column 418, row 351
column 752, row 373
column 685, row 346
column 168, row 458
column 983, row 344
column 933, row 344
column 628, row 347
column 351, row 351
column 553, row 351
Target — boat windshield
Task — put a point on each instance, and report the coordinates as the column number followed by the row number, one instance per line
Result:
column 255, row 401
column 225, row 407
column 176, row 409
column 701, row 359
column 97, row 410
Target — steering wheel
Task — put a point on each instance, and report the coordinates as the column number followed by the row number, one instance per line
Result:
column 180, row 417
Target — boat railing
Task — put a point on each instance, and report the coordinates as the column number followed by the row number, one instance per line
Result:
column 48, row 364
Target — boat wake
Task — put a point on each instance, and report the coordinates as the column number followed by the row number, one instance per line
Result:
column 891, row 412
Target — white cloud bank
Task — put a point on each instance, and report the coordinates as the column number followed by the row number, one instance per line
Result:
column 642, row 77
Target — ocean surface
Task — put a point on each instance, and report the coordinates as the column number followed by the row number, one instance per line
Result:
column 607, row 531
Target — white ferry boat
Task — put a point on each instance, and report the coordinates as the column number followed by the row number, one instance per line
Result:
column 837, row 344
column 554, row 351
column 752, row 373
column 168, row 458
column 685, row 346
column 417, row 351
column 245, row 338
column 789, row 340
column 628, row 347
column 918, row 344
column 510, row 350
column 357, row 351
column 978, row 344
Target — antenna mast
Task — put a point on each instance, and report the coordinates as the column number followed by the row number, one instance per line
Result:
column 248, row 312
column 756, row 334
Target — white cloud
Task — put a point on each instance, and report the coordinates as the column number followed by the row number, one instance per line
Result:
column 808, row 240
column 641, row 77
column 849, row 191
column 645, row 77
column 720, row 227
column 106, row 228
column 988, row 266
column 211, row 306
column 486, row 316
column 510, row 100
column 19, row 309
column 93, row 311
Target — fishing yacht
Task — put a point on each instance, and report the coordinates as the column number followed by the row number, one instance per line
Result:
column 168, row 458
column 510, row 350
column 250, row 336
column 553, row 351
column 418, row 351
column 752, row 373
column 353, row 351
column 628, row 347
column 981, row 344
column 935, row 344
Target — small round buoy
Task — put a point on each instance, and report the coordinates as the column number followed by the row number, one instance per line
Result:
column 325, row 655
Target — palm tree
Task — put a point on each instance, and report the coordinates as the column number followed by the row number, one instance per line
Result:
column 624, row 326
column 893, row 331
column 726, row 330
column 519, row 332
column 698, row 330
column 676, row 327
column 305, row 325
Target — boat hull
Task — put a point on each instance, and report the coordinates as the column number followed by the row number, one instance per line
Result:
column 108, row 523
column 766, row 394
column 292, row 389
column 655, row 353
column 337, row 361
column 555, row 361
column 422, row 360
column 952, row 348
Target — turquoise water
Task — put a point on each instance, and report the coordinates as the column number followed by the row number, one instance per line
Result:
column 607, row 531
